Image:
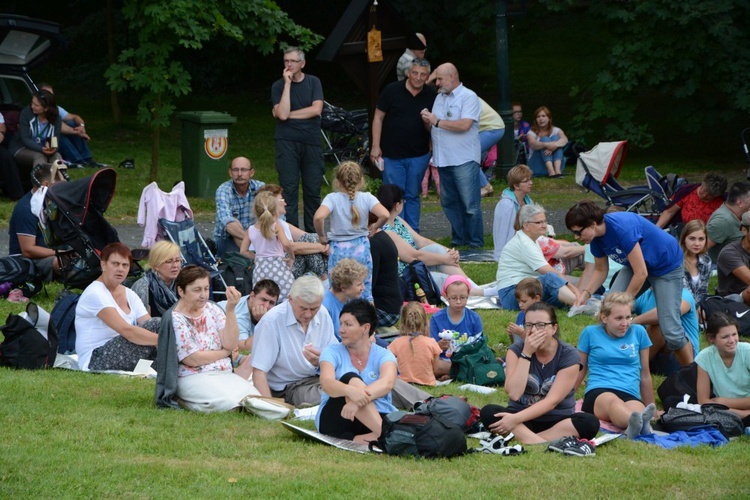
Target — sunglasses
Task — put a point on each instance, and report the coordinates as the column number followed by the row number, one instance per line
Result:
column 419, row 61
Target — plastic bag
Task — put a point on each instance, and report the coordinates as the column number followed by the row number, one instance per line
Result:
column 591, row 308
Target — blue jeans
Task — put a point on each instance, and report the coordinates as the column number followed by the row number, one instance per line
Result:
column 460, row 199
column 668, row 294
column 486, row 140
column 407, row 173
column 73, row 148
column 551, row 285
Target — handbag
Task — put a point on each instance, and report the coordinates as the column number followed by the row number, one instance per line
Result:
column 23, row 345
column 266, row 408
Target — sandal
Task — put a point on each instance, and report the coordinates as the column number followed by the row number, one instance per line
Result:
column 499, row 445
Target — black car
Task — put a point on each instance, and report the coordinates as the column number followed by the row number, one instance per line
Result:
column 25, row 44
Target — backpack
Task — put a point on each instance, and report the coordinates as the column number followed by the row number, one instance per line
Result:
column 417, row 272
column 451, row 408
column 23, row 345
column 63, row 316
column 476, row 363
column 237, row 271
column 420, row 435
column 732, row 308
column 678, row 384
column 715, row 415
column 23, row 273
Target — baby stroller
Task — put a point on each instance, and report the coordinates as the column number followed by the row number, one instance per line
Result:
column 597, row 170
column 193, row 248
column 345, row 134
column 74, row 226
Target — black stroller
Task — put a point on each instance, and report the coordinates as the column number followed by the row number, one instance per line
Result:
column 75, row 227
column 345, row 134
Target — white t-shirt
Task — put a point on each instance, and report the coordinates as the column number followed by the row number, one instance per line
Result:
column 520, row 259
column 91, row 331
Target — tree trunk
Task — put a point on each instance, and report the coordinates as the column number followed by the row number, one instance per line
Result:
column 113, row 98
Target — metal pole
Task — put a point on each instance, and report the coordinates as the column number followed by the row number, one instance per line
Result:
column 506, row 149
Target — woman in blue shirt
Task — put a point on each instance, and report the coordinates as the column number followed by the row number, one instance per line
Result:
column 356, row 377
column 615, row 353
column 647, row 253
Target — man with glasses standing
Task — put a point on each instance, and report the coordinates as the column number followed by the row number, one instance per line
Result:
column 234, row 206
column 399, row 138
column 297, row 101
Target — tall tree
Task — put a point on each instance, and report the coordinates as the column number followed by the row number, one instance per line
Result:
column 689, row 56
column 149, row 67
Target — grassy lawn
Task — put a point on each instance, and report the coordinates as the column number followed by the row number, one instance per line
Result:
column 70, row 434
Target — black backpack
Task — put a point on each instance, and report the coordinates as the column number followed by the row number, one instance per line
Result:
column 420, row 435
column 63, row 316
column 417, row 273
column 23, row 273
column 237, row 271
column 678, row 384
column 451, row 408
column 715, row 415
column 23, row 346
column 737, row 310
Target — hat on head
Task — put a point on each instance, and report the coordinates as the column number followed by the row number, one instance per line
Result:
column 415, row 43
column 746, row 219
column 456, row 278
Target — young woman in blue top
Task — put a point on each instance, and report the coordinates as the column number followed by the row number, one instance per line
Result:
column 725, row 367
column 615, row 353
column 356, row 376
column 647, row 253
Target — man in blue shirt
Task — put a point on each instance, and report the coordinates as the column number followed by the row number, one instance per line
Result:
column 234, row 206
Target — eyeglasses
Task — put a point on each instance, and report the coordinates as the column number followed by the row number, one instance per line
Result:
column 171, row 262
column 538, row 222
column 292, row 61
column 539, row 326
column 459, row 298
column 578, row 232
column 241, row 170
column 420, row 62
column 518, row 112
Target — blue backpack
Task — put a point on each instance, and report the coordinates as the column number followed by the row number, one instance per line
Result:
column 63, row 316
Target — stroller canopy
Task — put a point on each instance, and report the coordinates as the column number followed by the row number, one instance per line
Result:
column 601, row 162
column 80, row 197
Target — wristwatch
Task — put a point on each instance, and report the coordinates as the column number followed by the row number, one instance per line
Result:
column 523, row 356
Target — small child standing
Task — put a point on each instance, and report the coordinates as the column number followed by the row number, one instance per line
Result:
column 416, row 352
column 271, row 245
column 464, row 324
column 349, row 209
column 528, row 291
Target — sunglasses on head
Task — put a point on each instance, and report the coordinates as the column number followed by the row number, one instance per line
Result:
column 420, row 62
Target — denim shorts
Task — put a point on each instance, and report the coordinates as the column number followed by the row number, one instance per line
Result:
column 551, row 285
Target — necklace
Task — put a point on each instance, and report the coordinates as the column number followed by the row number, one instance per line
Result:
column 360, row 363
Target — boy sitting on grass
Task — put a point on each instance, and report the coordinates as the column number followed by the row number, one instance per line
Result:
column 461, row 324
column 528, row 291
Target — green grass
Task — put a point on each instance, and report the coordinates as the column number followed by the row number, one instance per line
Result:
column 71, row 434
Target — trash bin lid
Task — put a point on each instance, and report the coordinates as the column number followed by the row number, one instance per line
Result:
column 206, row 117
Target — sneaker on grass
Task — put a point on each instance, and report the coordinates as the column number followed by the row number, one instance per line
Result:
column 561, row 444
column 583, row 448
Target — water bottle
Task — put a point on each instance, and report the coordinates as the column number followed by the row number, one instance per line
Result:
column 420, row 293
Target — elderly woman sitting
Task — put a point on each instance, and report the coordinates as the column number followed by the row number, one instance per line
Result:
column 347, row 283
column 156, row 287
column 110, row 318
column 523, row 258
column 202, row 338
column 441, row 261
